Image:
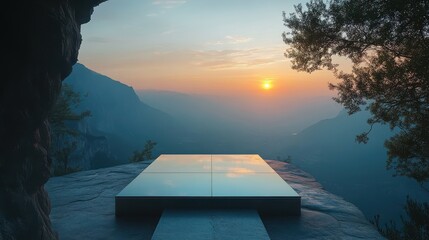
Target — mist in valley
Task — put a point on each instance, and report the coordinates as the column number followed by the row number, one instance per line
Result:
column 246, row 123
column 313, row 133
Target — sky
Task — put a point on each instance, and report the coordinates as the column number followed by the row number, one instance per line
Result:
column 223, row 47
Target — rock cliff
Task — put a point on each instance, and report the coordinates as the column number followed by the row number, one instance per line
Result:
column 40, row 44
column 91, row 152
column 83, row 208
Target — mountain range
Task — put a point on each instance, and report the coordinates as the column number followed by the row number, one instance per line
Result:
column 319, row 140
column 355, row 171
column 119, row 115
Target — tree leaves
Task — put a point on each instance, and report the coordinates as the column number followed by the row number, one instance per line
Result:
column 415, row 226
column 388, row 43
column 145, row 154
column 64, row 136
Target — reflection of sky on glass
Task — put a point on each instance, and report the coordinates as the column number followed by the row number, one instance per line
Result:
column 251, row 185
column 237, row 171
column 181, row 163
column 208, row 175
column 239, row 163
column 168, row 185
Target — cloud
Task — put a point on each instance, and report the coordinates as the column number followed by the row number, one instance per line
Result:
column 216, row 43
column 238, row 39
column 204, row 59
column 231, row 40
column 168, row 3
column 227, row 59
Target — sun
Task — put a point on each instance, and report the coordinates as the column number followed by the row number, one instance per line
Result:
column 267, row 84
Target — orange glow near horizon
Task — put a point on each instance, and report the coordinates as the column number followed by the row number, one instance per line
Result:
column 222, row 60
column 268, row 81
column 267, row 84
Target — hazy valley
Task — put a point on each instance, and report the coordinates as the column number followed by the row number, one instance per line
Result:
column 315, row 133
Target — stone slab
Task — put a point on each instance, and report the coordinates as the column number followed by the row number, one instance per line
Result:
column 210, row 224
column 83, row 207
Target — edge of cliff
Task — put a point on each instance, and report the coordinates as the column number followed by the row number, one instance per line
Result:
column 83, row 208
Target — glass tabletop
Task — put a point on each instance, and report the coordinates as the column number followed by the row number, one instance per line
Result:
column 181, row 163
column 169, row 185
column 240, row 164
column 250, row 185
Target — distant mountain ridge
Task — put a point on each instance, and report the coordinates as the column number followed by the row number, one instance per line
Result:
column 274, row 114
column 195, row 110
column 186, row 123
column 239, row 124
column 329, row 152
column 118, row 114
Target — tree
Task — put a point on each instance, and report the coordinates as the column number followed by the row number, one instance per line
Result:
column 415, row 226
column 64, row 111
column 62, row 134
column 62, row 155
column 388, row 44
column 145, row 154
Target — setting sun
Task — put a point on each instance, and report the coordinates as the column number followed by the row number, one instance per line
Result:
column 267, row 84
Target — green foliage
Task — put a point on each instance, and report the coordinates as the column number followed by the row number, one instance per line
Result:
column 63, row 112
column 63, row 143
column 62, row 155
column 145, row 154
column 415, row 226
column 388, row 44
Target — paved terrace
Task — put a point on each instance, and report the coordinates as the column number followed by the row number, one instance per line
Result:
column 83, row 207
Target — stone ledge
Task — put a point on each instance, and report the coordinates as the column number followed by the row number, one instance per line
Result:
column 83, row 207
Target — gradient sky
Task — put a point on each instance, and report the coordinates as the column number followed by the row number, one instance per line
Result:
column 224, row 47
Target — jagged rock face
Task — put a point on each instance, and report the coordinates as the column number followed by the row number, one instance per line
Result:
column 40, row 44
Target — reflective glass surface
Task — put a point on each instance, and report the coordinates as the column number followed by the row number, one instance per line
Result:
column 208, row 175
column 240, row 164
column 181, row 163
column 250, row 185
column 168, row 184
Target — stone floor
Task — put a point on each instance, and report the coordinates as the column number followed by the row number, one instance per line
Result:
column 83, row 207
column 210, row 224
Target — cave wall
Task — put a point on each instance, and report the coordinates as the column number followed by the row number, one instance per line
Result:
column 40, row 44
